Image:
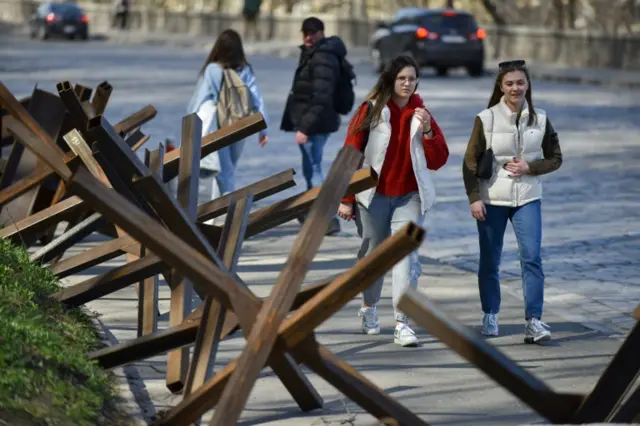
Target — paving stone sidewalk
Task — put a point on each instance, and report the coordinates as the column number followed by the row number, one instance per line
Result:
column 431, row 379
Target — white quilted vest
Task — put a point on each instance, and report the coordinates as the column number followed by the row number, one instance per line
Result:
column 510, row 139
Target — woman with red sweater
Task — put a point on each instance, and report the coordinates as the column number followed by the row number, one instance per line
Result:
column 404, row 143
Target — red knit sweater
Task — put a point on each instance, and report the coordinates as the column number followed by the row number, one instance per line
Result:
column 397, row 177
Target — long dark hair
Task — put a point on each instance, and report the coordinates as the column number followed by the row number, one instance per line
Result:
column 497, row 91
column 227, row 52
column 384, row 89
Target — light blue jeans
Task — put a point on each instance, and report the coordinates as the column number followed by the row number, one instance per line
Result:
column 527, row 225
column 385, row 216
column 312, row 159
column 229, row 157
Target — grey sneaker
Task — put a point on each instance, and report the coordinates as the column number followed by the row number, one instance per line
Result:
column 490, row 325
column 370, row 322
column 404, row 336
column 536, row 331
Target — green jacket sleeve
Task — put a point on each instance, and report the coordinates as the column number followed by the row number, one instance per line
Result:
column 550, row 150
column 477, row 145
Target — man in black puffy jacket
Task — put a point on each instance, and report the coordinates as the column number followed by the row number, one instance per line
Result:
column 310, row 110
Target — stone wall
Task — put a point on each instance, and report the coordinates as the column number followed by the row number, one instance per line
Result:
column 570, row 48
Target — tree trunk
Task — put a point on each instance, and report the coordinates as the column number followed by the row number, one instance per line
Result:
column 289, row 6
column 492, row 9
column 450, row 4
column 558, row 8
column 571, row 12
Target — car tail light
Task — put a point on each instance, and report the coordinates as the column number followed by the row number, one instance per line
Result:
column 50, row 17
column 478, row 35
column 422, row 33
column 449, row 13
column 84, row 19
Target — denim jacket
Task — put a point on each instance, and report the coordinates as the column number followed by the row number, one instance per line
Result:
column 208, row 87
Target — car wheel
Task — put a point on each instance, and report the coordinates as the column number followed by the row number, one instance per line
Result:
column 376, row 58
column 442, row 71
column 84, row 36
column 476, row 70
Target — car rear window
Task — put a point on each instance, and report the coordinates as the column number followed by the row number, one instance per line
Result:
column 66, row 10
column 461, row 23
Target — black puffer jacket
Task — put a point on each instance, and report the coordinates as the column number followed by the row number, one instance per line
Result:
column 310, row 106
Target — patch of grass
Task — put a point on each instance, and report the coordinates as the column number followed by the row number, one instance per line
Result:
column 45, row 375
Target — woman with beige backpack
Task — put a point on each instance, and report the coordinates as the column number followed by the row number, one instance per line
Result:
column 226, row 91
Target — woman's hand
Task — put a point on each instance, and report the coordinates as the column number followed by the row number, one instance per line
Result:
column 345, row 211
column 262, row 140
column 424, row 118
column 478, row 210
column 517, row 167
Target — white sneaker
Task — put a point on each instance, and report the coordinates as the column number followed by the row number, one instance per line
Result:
column 404, row 336
column 536, row 331
column 370, row 322
column 490, row 325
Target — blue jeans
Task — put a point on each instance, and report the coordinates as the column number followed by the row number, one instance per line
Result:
column 385, row 216
column 229, row 157
column 312, row 159
column 527, row 225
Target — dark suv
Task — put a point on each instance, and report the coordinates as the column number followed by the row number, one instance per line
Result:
column 439, row 38
column 59, row 19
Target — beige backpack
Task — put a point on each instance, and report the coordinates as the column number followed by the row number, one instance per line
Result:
column 234, row 100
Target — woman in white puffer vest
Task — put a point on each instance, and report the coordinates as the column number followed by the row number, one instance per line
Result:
column 525, row 146
column 402, row 142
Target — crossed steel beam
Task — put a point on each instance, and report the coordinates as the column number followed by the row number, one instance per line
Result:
column 111, row 181
column 272, row 339
column 604, row 403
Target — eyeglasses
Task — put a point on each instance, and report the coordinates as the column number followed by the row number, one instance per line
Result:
column 518, row 63
column 411, row 80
